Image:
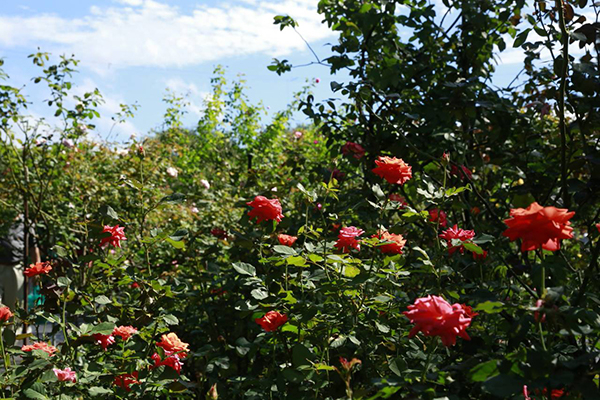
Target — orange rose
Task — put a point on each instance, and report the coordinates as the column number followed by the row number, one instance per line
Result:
column 539, row 226
column 38, row 269
column 395, row 247
column 170, row 342
column 393, row 170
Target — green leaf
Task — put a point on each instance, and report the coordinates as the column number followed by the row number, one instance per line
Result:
column 296, row 260
column 472, row 247
column 259, row 293
column 104, row 328
column 173, row 198
column 382, row 328
column 170, row 319
column 284, row 250
column 244, row 269
column 63, row 281
column 178, row 244
column 483, row 238
column 351, row 271
column 60, row 251
column 503, row 385
column 483, row 371
column 378, row 192
column 99, row 391
column 521, row 38
column 301, row 355
column 36, row 391
column 102, row 300
column 490, row 307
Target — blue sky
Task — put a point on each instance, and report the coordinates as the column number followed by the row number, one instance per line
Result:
column 132, row 50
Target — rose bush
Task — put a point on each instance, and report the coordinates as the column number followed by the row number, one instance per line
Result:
column 210, row 295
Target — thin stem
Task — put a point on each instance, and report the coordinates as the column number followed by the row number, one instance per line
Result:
column 562, row 93
column 4, row 357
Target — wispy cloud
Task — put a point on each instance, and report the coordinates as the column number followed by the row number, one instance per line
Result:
column 133, row 33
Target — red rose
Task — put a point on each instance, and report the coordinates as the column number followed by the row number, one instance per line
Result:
column 391, row 248
column 126, row 380
column 456, row 233
column 265, row 210
column 434, row 316
column 543, row 394
column 271, row 320
column 38, row 269
column 335, row 174
column 398, row 199
column 539, row 226
column 393, row 170
column 347, row 239
column 219, row 233
column 456, row 172
column 286, row 240
column 355, row 149
column 598, row 227
column 480, row 257
column 5, row 314
column 103, row 340
column 116, row 235
column 170, row 360
column 434, row 214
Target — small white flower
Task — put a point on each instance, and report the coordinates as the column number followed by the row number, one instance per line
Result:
column 273, row 189
column 205, row 183
column 194, row 210
column 298, row 134
column 172, row 172
column 68, row 143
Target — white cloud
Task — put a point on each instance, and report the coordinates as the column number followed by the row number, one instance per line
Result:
column 194, row 96
column 157, row 34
